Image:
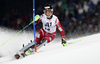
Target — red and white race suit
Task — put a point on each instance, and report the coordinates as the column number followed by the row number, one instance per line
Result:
column 49, row 28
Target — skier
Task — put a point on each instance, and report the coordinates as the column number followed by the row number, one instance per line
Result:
column 48, row 32
column 50, row 23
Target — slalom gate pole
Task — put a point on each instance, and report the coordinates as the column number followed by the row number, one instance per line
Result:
column 17, row 33
column 34, row 25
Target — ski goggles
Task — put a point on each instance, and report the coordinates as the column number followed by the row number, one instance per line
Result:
column 47, row 11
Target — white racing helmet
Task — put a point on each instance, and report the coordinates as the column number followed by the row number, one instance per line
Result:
column 48, row 9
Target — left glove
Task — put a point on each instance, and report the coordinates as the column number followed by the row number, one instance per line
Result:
column 64, row 43
column 37, row 17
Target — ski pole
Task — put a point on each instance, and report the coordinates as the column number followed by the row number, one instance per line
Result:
column 17, row 33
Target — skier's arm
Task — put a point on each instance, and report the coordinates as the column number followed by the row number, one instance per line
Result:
column 59, row 27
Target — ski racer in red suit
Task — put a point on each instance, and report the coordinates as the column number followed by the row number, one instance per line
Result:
column 46, row 34
column 50, row 23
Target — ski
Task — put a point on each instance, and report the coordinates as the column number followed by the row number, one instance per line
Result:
column 29, row 49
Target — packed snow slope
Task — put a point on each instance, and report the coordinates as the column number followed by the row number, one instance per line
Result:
column 85, row 50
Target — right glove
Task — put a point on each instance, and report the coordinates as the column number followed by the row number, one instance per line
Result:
column 64, row 43
column 37, row 17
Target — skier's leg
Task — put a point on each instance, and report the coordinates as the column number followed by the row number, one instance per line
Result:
column 45, row 40
column 31, row 45
column 49, row 37
column 40, row 36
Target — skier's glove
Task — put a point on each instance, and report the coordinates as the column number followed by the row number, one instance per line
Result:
column 37, row 17
column 64, row 43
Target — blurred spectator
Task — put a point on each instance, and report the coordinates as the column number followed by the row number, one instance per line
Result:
column 78, row 17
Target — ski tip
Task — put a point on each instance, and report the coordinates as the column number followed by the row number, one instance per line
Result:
column 17, row 56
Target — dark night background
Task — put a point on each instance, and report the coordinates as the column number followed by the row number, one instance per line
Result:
column 75, row 19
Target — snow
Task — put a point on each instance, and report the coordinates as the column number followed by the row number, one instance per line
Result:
column 85, row 51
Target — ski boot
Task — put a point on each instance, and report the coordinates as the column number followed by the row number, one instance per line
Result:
column 29, row 51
